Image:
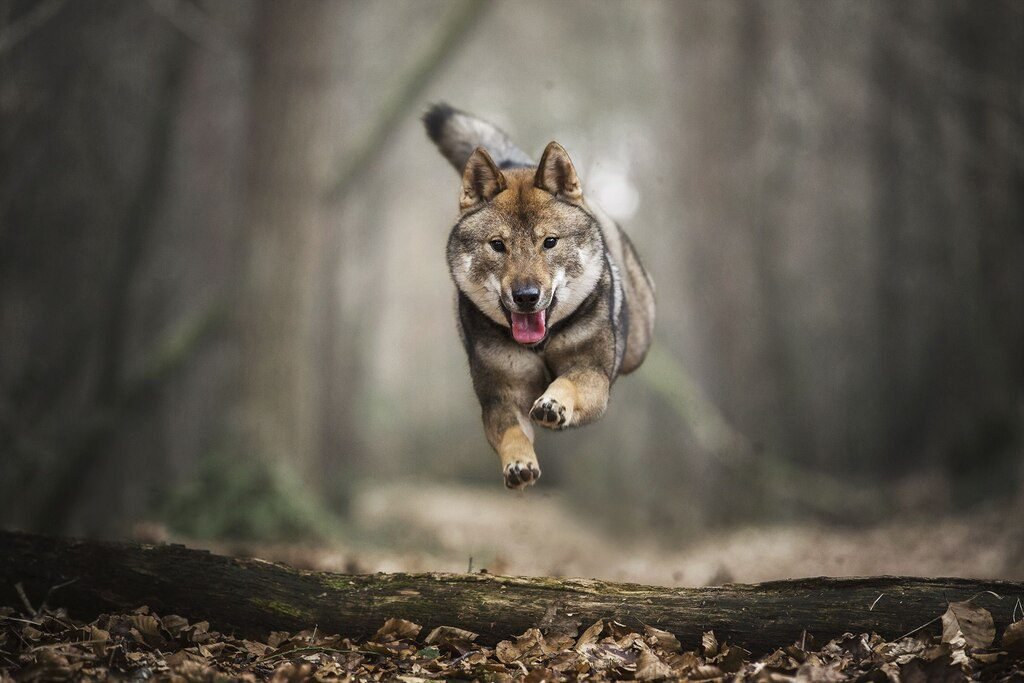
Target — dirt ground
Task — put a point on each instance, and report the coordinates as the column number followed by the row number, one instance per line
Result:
column 415, row 527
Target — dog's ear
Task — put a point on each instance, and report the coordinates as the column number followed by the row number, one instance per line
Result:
column 481, row 180
column 556, row 174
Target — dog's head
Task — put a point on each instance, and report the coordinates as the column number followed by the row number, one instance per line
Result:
column 526, row 250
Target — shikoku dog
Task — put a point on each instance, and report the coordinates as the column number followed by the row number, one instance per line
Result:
column 553, row 302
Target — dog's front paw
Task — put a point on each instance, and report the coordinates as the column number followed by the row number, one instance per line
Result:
column 550, row 413
column 521, row 473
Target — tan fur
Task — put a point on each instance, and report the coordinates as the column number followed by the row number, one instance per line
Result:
column 515, row 449
column 578, row 397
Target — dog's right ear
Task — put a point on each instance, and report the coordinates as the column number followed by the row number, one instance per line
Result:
column 481, row 180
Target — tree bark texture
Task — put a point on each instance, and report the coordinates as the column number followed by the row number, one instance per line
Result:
column 296, row 92
column 251, row 597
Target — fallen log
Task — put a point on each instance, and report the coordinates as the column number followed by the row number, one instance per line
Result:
column 251, row 597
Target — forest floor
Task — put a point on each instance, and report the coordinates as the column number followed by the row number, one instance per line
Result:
column 438, row 528
column 140, row 646
column 420, row 528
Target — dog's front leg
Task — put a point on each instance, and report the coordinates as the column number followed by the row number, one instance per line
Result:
column 511, row 436
column 506, row 378
column 575, row 398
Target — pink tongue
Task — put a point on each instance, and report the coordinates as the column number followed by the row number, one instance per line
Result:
column 529, row 328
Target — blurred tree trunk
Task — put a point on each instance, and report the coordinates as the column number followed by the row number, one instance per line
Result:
column 86, row 139
column 947, row 129
column 856, row 251
column 282, row 305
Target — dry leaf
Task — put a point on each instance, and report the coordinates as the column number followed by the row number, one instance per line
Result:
column 147, row 624
column 176, row 659
column 902, row 651
column 662, row 639
column 199, row 632
column 211, row 650
column 396, row 629
column 289, row 673
column 940, row 670
column 617, row 629
column 540, row 676
column 986, row 657
column 650, row 668
column 816, row 673
column 683, row 663
column 174, row 624
column 566, row 660
column 604, row 656
column 556, row 621
column 973, row 624
column 444, row 634
column 276, row 638
column 590, row 636
column 1013, row 637
column 705, row 672
column 508, row 652
column 631, row 640
column 254, row 648
column 558, row 642
column 731, row 659
column 709, row 643
column 99, row 641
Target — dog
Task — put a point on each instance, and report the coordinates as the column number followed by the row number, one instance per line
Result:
column 553, row 303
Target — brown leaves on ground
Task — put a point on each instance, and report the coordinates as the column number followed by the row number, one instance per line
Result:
column 143, row 645
column 964, row 624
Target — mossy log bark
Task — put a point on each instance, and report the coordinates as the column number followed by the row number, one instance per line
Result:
column 252, row 597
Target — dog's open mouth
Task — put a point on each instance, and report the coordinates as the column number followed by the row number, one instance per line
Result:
column 529, row 328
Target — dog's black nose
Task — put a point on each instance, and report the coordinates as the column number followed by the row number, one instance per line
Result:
column 526, row 296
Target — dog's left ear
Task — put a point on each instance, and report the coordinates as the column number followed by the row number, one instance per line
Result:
column 556, row 174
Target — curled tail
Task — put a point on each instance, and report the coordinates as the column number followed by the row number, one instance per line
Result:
column 457, row 134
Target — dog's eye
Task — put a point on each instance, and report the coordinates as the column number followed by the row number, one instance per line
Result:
column 550, row 242
column 498, row 246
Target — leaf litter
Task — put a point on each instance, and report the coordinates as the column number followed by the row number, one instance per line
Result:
column 142, row 645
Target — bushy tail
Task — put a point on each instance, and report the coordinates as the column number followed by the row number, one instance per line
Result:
column 457, row 134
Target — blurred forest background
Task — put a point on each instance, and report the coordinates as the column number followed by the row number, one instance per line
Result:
column 225, row 313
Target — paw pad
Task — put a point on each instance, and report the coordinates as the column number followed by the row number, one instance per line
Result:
column 520, row 474
column 549, row 412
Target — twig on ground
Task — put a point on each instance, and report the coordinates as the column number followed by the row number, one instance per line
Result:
column 20, row 589
column 53, row 589
column 978, row 595
column 910, row 633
